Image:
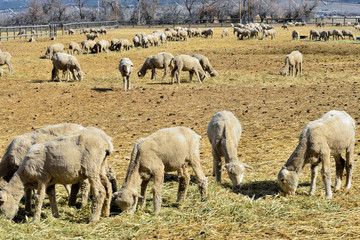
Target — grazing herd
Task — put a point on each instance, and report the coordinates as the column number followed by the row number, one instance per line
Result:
column 70, row 154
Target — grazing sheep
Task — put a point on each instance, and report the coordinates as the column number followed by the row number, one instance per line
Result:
column 269, row 32
column 166, row 150
column 225, row 33
column 17, row 148
column 52, row 49
column 74, row 47
column 125, row 68
column 337, row 34
column 161, row 60
column 163, row 38
column 32, row 39
column 295, row 35
column 102, row 46
column 294, row 59
column 314, row 34
column 5, row 58
column 205, row 64
column 187, row 63
column 67, row 63
column 102, row 30
column 349, row 33
column 136, row 41
column 224, row 132
column 254, row 33
column 92, row 36
column 324, row 35
column 71, row 31
column 208, row 32
column 144, row 42
column 285, row 26
column 66, row 159
column 182, row 35
column 328, row 136
column 88, row 46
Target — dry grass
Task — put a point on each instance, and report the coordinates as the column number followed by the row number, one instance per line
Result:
column 272, row 109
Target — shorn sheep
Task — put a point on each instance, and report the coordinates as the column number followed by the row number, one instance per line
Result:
column 293, row 60
column 224, row 132
column 206, row 65
column 125, row 68
column 328, row 136
column 161, row 60
column 187, row 63
column 166, row 150
column 67, row 63
column 67, row 159
column 5, row 58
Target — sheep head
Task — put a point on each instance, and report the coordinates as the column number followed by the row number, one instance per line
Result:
column 126, row 199
column 80, row 75
column 288, row 181
column 282, row 73
column 213, row 73
column 236, row 171
column 8, row 206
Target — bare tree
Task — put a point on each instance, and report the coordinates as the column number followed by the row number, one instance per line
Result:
column 55, row 10
column 80, row 4
column 189, row 5
column 34, row 14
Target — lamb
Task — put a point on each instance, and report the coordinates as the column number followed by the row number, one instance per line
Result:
column 102, row 46
column 294, row 59
column 205, row 64
column 346, row 32
column 52, row 49
column 66, row 159
column 208, row 32
column 161, row 60
column 5, row 58
column 67, row 63
column 125, row 68
column 295, row 35
column 324, row 35
column 225, row 33
column 314, row 34
column 328, row 136
column 224, row 132
column 166, row 150
column 88, row 46
column 74, row 47
column 92, row 36
column 187, row 63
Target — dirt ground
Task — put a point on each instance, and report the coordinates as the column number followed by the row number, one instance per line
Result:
column 272, row 109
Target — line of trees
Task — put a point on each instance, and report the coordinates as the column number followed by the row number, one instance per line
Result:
column 153, row 11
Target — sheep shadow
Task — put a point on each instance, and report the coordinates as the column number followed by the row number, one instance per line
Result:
column 175, row 178
column 40, row 81
column 260, row 189
column 160, row 83
column 102, row 89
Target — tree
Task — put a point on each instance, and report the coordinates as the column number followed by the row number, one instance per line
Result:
column 55, row 10
column 34, row 14
column 189, row 5
column 80, row 4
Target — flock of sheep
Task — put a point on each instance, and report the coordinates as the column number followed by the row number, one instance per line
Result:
column 70, row 154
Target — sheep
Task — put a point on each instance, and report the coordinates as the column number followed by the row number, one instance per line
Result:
column 208, row 32
column 324, row 35
column 52, row 49
column 71, row 31
column 243, row 33
column 88, row 46
column 5, row 58
column 32, row 39
column 254, row 33
column 102, row 46
column 346, row 32
column 67, row 63
column 102, row 30
column 197, row 32
column 285, row 26
column 74, row 47
column 182, row 35
column 314, row 34
column 136, row 41
column 166, row 150
column 294, row 59
column 337, row 34
column 144, row 42
column 327, row 136
column 127, row 45
column 163, row 38
column 125, row 68
column 161, row 60
column 22, row 32
column 269, row 32
column 66, row 159
column 295, row 35
column 205, row 64
column 92, row 36
column 224, row 132
column 17, row 148
column 187, row 63
column 122, row 44
column 225, row 33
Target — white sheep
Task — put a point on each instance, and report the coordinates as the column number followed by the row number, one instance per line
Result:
column 91, row 36
column 314, row 34
column 293, row 60
column 225, row 33
column 187, row 63
column 88, row 46
column 74, row 47
column 136, row 41
column 295, row 35
column 71, row 31
column 102, row 46
column 206, row 65
column 269, row 32
column 337, row 34
column 224, row 132
column 67, row 63
column 5, row 58
column 66, row 159
column 208, row 32
column 347, row 32
column 52, row 49
column 166, row 150
column 328, row 136
column 161, row 60
column 324, row 35
column 125, row 68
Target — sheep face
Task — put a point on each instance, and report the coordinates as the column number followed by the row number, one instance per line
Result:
column 214, row 73
column 126, row 200
column 236, row 173
column 288, row 181
column 80, row 75
column 282, row 73
column 8, row 206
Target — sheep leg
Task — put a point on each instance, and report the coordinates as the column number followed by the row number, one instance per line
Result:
column 28, row 193
column 326, row 172
column 349, row 165
column 10, row 68
column 39, row 199
column 173, row 74
column 300, row 65
column 198, row 76
column 201, row 179
column 191, row 75
column 340, row 165
column 85, row 192
column 216, row 166
column 99, row 196
column 73, row 194
column 125, row 83
column 184, row 179
column 177, row 74
column 157, row 189
column 128, row 82
column 144, row 185
column 153, row 74
column 166, row 71
column 108, row 191
column 314, row 173
column 50, row 191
